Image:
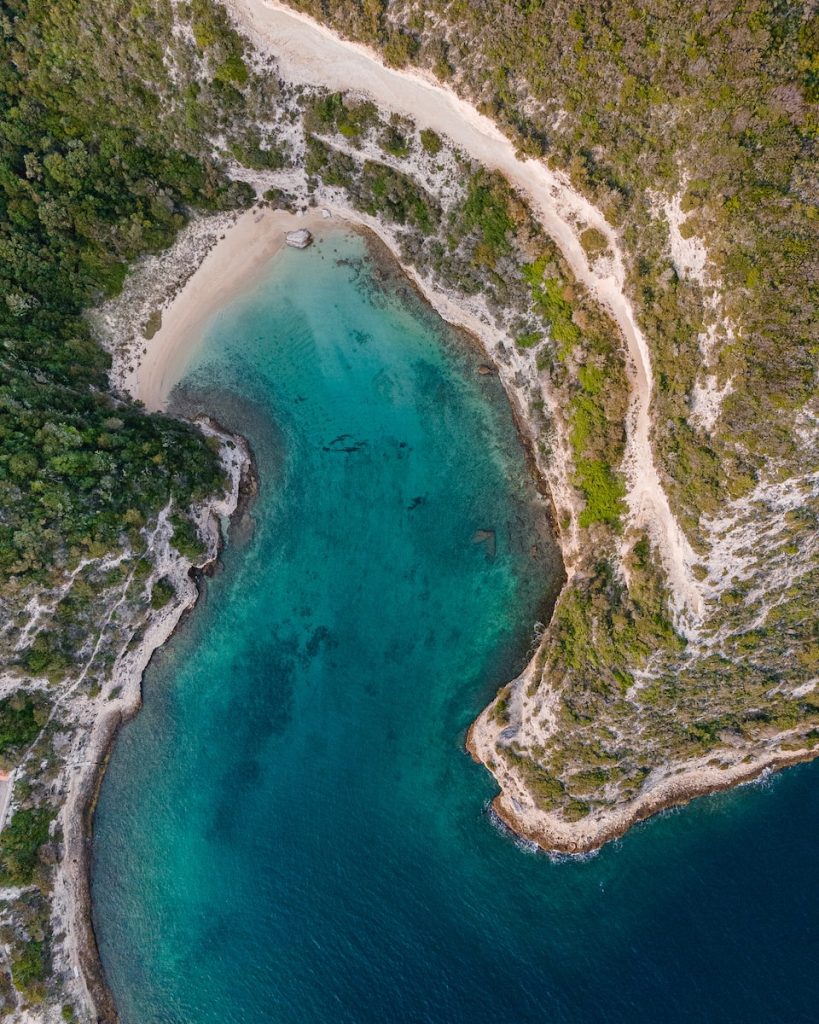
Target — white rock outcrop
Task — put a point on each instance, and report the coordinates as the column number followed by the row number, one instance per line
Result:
column 299, row 239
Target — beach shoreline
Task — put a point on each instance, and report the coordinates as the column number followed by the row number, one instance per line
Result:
column 236, row 263
column 232, row 267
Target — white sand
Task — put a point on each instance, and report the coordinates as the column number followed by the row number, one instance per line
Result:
column 230, row 268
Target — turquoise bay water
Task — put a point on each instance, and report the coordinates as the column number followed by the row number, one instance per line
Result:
column 290, row 830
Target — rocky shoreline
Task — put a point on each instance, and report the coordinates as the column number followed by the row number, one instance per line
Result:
column 79, row 953
column 554, row 835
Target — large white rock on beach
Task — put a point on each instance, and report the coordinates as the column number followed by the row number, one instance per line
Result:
column 299, row 239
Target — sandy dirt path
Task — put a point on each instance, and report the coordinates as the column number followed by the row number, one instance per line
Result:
column 310, row 53
column 6, row 786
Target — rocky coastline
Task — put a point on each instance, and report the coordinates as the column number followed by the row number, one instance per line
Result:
column 554, row 836
column 79, row 958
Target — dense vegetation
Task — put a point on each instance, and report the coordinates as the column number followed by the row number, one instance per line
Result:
column 20, row 841
column 21, row 717
column 90, row 178
column 589, row 364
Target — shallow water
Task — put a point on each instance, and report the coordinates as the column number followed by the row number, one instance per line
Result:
column 290, row 830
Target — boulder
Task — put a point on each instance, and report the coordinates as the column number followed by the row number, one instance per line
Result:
column 299, row 239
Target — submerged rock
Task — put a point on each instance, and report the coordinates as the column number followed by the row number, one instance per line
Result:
column 488, row 539
column 299, row 239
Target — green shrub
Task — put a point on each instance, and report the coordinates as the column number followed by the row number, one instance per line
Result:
column 45, row 657
column 594, row 242
column 394, row 143
column 399, row 49
column 163, row 591
column 486, row 209
column 21, row 718
column 233, row 69
column 431, row 141
column 334, row 112
column 250, row 152
column 186, row 537
column 529, row 340
column 20, row 840
column 381, row 189
column 29, row 966
column 575, row 810
column 603, row 491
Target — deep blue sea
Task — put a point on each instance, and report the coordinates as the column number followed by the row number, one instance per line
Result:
column 290, row 831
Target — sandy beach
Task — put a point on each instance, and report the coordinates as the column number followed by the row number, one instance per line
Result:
column 232, row 267
column 236, row 263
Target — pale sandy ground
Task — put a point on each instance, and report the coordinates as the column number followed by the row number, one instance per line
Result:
column 310, row 53
column 231, row 267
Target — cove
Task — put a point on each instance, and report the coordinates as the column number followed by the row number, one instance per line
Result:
column 290, row 830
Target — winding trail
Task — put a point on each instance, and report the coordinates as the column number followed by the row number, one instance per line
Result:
column 309, row 53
